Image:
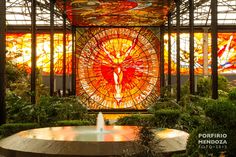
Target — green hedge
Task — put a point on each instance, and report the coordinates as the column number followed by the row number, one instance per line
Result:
column 136, row 119
column 232, row 94
column 11, row 128
column 166, row 118
column 188, row 122
column 74, row 123
column 222, row 113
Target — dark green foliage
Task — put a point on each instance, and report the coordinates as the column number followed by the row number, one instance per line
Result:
column 165, row 103
column 11, row 128
column 74, row 123
column 149, row 143
column 223, row 113
column 188, row 122
column 185, row 89
column 51, row 109
column 223, row 83
column 48, row 109
column 14, row 73
column 18, row 109
column 232, row 94
column 146, row 145
column 136, row 119
column 195, row 149
column 166, row 118
column 204, row 86
column 221, row 118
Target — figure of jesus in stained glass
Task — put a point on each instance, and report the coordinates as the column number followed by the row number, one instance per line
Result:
column 117, row 61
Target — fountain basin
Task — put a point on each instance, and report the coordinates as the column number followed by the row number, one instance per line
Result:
column 86, row 141
column 70, row 141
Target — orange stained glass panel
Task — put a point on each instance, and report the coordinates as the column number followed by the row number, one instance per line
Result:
column 19, row 51
column 117, row 67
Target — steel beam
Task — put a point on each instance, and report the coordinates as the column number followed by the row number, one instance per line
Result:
column 214, row 49
column 33, row 51
column 178, row 50
column 2, row 61
column 73, row 81
column 169, row 51
column 162, row 64
column 191, row 47
column 52, row 3
column 64, row 50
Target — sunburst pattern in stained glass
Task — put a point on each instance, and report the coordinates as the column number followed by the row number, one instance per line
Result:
column 117, row 68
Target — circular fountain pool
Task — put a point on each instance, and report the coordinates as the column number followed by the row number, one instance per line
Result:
column 85, row 141
column 70, row 141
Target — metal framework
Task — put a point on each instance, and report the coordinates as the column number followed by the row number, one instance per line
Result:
column 202, row 13
column 217, row 15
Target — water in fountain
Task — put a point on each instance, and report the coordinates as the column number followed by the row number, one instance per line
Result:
column 100, row 122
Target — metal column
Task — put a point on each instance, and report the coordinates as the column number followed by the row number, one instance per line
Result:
column 33, row 51
column 191, row 47
column 169, row 51
column 178, row 49
column 73, row 81
column 162, row 64
column 2, row 61
column 214, row 49
column 64, row 50
column 52, row 3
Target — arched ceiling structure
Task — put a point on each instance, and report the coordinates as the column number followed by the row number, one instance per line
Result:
column 18, row 12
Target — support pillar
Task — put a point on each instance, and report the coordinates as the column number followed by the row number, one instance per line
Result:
column 169, row 52
column 73, row 76
column 178, row 50
column 191, row 47
column 214, row 49
column 52, row 3
column 64, row 50
column 162, row 64
column 33, row 51
column 2, row 61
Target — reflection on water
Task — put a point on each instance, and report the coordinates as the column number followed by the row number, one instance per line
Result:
column 83, row 133
column 169, row 133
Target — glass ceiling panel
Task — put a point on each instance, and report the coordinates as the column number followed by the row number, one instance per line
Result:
column 202, row 13
column 18, row 13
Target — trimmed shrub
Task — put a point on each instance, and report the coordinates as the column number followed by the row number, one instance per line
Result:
column 232, row 94
column 165, row 103
column 11, row 128
column 136, row 119
column 166, row 118
column 74, row 123
column 188, row 122
column 204, row 86
column 222, row 113
column 51, row 109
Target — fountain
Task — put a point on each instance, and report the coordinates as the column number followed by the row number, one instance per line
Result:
column 99, row 140
column 100, row 122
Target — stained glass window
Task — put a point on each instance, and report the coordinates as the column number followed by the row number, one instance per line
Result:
column 19, row 51
column 226, row 53
column 117, row 67
column 184, row 53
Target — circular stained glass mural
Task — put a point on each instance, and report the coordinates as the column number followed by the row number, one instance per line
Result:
column 117, row 68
